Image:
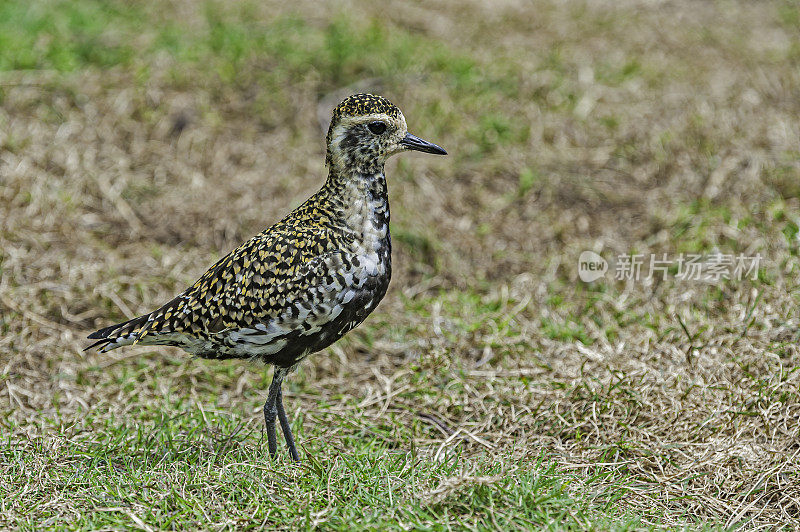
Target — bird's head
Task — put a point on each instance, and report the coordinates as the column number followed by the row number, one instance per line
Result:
column 366, row 130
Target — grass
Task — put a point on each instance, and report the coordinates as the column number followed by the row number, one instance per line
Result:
column 492, row 389
column 185, row 470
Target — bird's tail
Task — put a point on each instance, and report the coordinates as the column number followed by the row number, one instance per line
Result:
column 125, row 333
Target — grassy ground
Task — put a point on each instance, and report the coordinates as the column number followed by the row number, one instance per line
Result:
column 492, row 388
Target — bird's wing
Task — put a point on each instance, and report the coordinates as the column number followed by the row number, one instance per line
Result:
column 253, row 284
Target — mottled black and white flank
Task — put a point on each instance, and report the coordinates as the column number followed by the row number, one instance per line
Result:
column 300, row 285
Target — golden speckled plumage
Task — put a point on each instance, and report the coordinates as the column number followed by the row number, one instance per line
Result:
column 301, row 284
column 261, row 281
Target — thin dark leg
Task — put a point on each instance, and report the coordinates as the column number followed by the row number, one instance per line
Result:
column 287, row 430
column 271, row 411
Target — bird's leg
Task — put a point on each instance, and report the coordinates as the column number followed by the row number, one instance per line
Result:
column 287, row 430
column 271, row 411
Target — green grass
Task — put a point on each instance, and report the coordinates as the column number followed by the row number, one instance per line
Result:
column 232, row 45
column 196, row 468
column 67, row 36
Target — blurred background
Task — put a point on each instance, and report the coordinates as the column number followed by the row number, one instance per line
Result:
column 140, row 141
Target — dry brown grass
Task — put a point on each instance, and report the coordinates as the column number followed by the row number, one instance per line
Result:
column 647, row 126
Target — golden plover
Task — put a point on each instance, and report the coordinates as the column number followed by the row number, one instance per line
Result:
column 303, row 283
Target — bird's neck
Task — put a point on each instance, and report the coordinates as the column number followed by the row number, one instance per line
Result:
column 362, row 204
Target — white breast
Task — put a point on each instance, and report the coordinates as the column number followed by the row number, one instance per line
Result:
column 364, row 217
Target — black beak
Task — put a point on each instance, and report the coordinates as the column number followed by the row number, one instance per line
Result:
column 412, row 142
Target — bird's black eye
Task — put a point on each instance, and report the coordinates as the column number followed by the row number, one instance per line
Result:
column 377, row 127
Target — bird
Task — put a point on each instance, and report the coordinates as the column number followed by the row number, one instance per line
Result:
column 303, row 283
